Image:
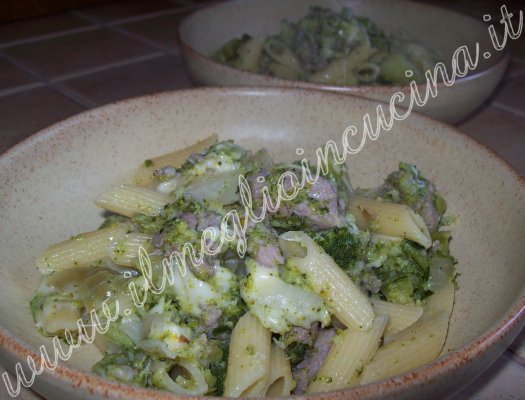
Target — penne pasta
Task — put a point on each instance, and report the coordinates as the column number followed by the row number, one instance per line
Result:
column 249, row 53
column 129, row 200
column 126, row 249
column 56, row 316
column 81, row 250
column 342, row 296
column 333, row 48
column 191, row 383
column 416, row 345
column 389, row 219
column 248, row 370
column 350, row 352
column 144, row 174
column 401, row 315
column 368, row 72
column 297, row 287
column 281, row 382
column 341, row 71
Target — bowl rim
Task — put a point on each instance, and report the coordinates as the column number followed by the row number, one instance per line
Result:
column 186, row 48
column 441, row 366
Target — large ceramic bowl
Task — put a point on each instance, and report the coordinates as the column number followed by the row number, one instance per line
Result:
column 47, row 184
column 203, row 32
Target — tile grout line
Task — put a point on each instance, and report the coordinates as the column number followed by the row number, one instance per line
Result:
column 138, row 18
column 146, row 17
column 72, row 95
column 20, row 88
column 36, row 39
column 142, row 39
column 510, row 110
column 97, row 24
column 56, row 83
column 188, row 3
column 114, row 27
column 106, row 67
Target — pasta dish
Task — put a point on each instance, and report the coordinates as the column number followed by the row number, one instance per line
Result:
column 331, row 48
column 218, row 271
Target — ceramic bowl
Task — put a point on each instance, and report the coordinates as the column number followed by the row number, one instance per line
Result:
column 203, row 32
column 48, row 182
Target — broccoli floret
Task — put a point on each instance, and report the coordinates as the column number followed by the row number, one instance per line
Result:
column 149, row 224
column 297, row 343
column 324, row 35
column 221, row 157
column 395, row 270
column 228, row 53
column 290, row 223
column 177, row 231
column 296, row 352
column 402, row 269
column 342, row 244
column 219, row 367
column 378, row 39
column 409, row 187
column 129, row 367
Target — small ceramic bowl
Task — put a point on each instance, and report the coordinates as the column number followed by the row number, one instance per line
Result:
column 48, row 182
column 206, row 30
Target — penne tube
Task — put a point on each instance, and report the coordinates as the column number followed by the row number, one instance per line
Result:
column 281, row 382
column 56, row 315
column 401, row 316
column 341, row 71
column 367, row 72
column 390, row 219
column 192, row 383
column 125, row 250
column 144, row 175
column 350, row 352
column 129, row 200
column 248, row 370
column 341, row 295
column 81, row 250
column 249, row 54
column 416, row 345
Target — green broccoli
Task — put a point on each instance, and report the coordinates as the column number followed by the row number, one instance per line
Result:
column 342, row 244
column 398, row 271
column 219, row 366
column 409, row 187
column 402, row 269
column 131, row 367
column 296, row 352
column 228, row 53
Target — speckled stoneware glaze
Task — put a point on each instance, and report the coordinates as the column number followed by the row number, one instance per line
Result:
column 48, row 183
column 206, row 30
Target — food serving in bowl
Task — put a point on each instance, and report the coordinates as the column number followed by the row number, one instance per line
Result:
column 297, row 43
column 255, row 301
column 71, row 161
column 331, row 48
